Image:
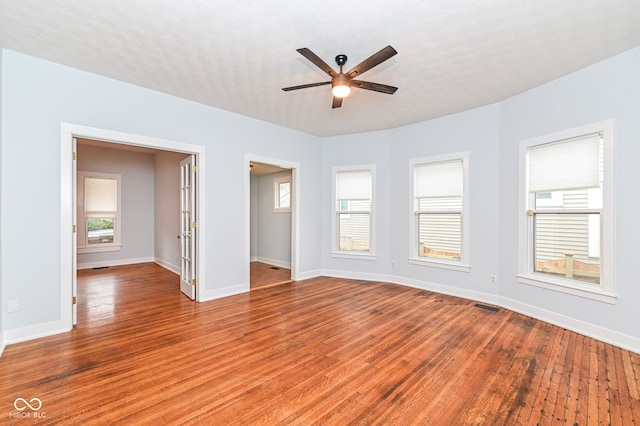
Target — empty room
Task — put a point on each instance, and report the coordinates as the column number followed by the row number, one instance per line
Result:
column 441, row 196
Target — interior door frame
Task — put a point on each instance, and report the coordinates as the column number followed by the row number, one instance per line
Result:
column 295, row 208
column 68, row 167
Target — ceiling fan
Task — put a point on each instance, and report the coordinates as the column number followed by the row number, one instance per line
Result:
column 341, row 83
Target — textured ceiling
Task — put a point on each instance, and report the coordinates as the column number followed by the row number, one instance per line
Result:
column 453, row 55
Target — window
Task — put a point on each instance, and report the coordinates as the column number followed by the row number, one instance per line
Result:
column 439, row 220
column 282, row 194
column 98, row 217
column 566, row 211
column 353, row 219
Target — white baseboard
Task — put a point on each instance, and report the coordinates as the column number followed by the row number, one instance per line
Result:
column 3, row 344
column 448, row 290
column 168, row 266
column 274, row 262
column 219, row 293
column 587, row 329
column 116, row 262
column 351, row 275
column 34, row 332
column 606, row 335
column 300, row 276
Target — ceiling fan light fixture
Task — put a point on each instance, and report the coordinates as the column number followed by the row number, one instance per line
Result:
column 341, row 91
column 340, row 86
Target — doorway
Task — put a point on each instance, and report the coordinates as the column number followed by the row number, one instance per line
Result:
column 68, row 252
column 272, row 218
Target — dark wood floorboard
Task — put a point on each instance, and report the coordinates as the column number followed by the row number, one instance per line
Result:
column 322, row 351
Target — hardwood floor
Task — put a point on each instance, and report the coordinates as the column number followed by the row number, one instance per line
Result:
column 322, row 351
column 264, row 275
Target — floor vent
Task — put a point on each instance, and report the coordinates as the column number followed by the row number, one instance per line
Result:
column 275, row 268
column 487, row 307
column 101, row 267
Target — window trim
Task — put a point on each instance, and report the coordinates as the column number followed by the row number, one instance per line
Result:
column 605, row 291
column 335, row 251
column 81, row 220
column 464, row 265
column 277, row 181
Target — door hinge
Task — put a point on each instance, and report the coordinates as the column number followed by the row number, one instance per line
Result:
column 194, row 169
column 75, row 229
column 194, row 224
column 74, row 156
column 74, row 300
column 193, row 281
column 529, row 212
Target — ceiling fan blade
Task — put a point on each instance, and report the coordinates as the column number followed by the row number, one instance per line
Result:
column 372, row 61
column 304, row 86
column 315, row 59
column 337, row 102
column 376, row 87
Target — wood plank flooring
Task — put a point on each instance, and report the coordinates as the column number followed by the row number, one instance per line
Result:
column 321, row 351
column 264, row 275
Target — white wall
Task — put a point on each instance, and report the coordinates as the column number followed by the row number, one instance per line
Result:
column 38, row 96
column 271, row 230
column 608, row 90
column 474, row 131
column 491, row 135
column 167, row 209
column 357, row 150
column 137, row 181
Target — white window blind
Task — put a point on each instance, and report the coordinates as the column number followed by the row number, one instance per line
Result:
column 572, row 164
column 439, row 179
column 101, row 197
column 354, row 185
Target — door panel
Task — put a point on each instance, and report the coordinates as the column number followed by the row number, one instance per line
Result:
column 188, row 227
column 74, row 239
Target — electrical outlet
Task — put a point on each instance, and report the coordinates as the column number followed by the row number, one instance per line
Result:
column 493, row 279
column 12, row 306
column 393, row 263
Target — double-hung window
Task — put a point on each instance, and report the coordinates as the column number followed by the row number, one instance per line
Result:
column 354, row 209
column 282, row 194
column 98, row 217
column 439, row 212
column 566, row 211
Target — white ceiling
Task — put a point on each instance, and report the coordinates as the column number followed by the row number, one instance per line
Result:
column 453, row 55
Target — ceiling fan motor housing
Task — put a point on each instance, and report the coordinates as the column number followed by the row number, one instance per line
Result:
column 340, row 80
column 341, row 60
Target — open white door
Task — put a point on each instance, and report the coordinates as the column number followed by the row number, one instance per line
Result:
column 74, row 239
column 188, row 226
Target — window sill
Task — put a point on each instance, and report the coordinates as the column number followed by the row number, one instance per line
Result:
column 569, row 287
column 101, row 249
column 282, row 210
column 440, row 264
column 353, row 255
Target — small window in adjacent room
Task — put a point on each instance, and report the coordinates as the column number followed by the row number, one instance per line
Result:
column 439, row 222
column 282, row 194
column 353, row 218
column 567, row 210
column 98, row 216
